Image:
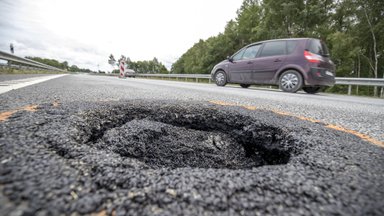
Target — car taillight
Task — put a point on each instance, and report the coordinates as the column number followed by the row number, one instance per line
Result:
column 312, row 57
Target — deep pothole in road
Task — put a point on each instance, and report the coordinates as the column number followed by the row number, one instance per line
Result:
column 175, row 137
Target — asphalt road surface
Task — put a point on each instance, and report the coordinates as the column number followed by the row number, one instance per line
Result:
column 83, row 144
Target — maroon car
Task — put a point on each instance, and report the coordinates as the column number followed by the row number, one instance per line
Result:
column 292, row 64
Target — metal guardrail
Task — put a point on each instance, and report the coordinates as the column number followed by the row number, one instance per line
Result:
column 21, row 67
column 359, row 81
column 350, row 81
column 13, row 58
column 179, row 76
column 189, row 76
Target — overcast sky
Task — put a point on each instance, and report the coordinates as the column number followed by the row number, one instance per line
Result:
column 85, row 32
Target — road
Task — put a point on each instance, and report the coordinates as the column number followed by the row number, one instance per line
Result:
column 365, row 115
column 99, row 144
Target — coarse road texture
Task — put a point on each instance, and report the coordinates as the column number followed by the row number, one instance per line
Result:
column 97, row 145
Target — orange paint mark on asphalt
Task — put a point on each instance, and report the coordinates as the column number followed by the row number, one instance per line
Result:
column 308, row 119
column 249, row 107
column 6, row 115
column 358, row 134
column 30, row 108
column 103, row 213
column 281, row 113
column 56, row 103
column 330, row 126
column 223, row 103
column 335, row 127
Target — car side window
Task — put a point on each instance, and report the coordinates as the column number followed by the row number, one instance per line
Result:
column 291, row 45
column 238, row 55
column 274, row 48
column 251, row 52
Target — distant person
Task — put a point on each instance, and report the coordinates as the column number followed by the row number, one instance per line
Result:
column 12, row 49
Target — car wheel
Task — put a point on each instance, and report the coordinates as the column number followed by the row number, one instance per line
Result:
column 220, row 78
column 290, row 81
column 312, row 90
column 244, row 85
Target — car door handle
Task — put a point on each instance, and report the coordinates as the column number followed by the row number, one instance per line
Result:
column 277, row 60
column 249, row 62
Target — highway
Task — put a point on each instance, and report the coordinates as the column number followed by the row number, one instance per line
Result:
column 362, row 114
column 102, row 145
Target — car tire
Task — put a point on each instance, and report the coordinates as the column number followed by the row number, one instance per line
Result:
column 220, row 78
column 244, row 85
column 290, row 81
column 312, row 89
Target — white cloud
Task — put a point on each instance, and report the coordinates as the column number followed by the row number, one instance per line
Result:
column 85, row 32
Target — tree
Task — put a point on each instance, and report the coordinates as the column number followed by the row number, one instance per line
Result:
column 112, row 60
column 352, row 29
column 128, row 62
column 152, row 66
column 74, row 68
column 122, row 58
column 65, row 65
column 365, row 7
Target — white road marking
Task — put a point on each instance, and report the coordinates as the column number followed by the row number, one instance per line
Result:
column 7, row 86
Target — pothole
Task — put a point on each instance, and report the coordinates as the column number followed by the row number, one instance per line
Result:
column 173, row 136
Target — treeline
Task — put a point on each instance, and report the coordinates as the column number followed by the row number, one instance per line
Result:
column 61, row 65
column 352, row 29
column 151, row 66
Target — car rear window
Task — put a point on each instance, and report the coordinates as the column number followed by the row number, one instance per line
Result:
column 273, row 48
column 318, row 47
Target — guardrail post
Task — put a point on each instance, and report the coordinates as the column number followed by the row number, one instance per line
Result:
column 209, row 80
column 349, row 89
column 197, row 79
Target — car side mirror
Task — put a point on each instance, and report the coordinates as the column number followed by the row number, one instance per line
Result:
column 229, row 59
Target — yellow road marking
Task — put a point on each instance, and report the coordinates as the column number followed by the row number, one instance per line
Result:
column 6, row 115
column 330, row 126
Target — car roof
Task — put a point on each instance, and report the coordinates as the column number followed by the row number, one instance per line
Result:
column 280, row 39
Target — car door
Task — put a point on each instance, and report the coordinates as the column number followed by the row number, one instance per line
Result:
column 268, row 61
column 241, row 66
